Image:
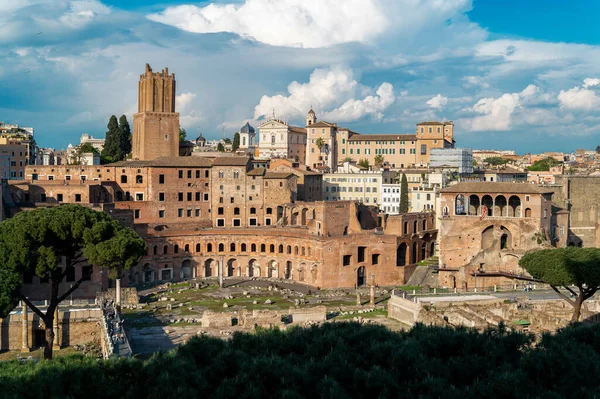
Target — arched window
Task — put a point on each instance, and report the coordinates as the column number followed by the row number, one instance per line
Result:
column 289, row 249
column 243, row 249
column 459, row 205
column 272, row 140
column 272, row 248
column 405, row 228
column 232, row 247
column 119, row 196
column 197, row 247
column 415, row 227
column 123, row 178
column 253, row 248
column 139, row 179
column 165, row 249
column 187, row 248
column 209, row 247
column 280, row 249
column 296, row 250
column 154, row 250
column 401, row 255
column 176, row 249
column 425, row 224
column 244, row 141
column 221, row 247
column 263, row 248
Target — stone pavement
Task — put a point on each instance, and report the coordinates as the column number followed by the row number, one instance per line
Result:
column 153, row 339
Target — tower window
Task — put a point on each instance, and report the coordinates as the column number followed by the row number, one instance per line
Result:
column 166, row 137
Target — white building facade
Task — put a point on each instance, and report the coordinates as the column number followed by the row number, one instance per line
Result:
column 279, row 140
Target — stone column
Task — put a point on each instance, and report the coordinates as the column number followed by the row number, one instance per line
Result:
column 24, row 329
column 221, row 272
column 358, row 303
column 118, row 292
column 372, row 299
column 56, row 344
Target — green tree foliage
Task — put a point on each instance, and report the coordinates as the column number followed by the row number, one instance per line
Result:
column 87, row 148
column 227, row 140
column 320, row 143
column 236, row 142
column 112, row 152
column 403, row 194
column 125, row 136
column 342, row 360
column 182, row 134
column 220, row 147
column 349, row 159
column 496, row 161
column 565, row 267
column 598, row 149
column 364, row 163
column 40, row 242
column 378, row 159
column 544, row 164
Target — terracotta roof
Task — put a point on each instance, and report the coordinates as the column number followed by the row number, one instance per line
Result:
column 257, row 172
column 435, row 123
column 230, row 161
column 165, row 162
column 496, row 187
column 297, row 129
column 278, row 175
column 323, row 124
column 388, row 137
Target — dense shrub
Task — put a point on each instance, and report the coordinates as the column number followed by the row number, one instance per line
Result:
column 343, row 360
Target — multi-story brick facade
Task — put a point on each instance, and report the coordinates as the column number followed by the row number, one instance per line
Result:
column 198, row 213
column 486, row 227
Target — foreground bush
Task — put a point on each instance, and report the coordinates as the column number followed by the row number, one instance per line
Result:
column 343, row 360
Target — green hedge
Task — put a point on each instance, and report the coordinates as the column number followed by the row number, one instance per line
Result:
column 342, row 360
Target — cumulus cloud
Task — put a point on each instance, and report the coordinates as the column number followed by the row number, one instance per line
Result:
column 438, row 102
column 284, row 22
column 313, row 24
column 333, row 92
column 583, row 97
column 188, row 117
column 497, row 112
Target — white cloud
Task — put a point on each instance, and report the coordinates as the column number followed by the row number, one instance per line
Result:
column 312, row 24
column 374, row 106
column 497, row 113
column 580, row 97
column 183, row 100
column 591, row 82
column 81, row 12
column 438, row 102
column 333, row 93
column 295, row 23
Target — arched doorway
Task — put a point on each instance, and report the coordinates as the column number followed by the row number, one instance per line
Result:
column 401, row 254
column 186, row 269
column 148, row 273
column 414, row 253
column 314, row 273
column 423, row 251
column 304, row 212
column 360, row 276
column 231, row 265
column 208, row 268
column 487, row 237
column 514, row 204
column 505, row 238
column 488, row 203
column 474, row 205
column 432, row 249
column 272, row 270
column 253, row 268
column 500, row 206
column 301, row 269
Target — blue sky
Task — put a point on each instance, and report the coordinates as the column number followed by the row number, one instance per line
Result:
column 511, row 74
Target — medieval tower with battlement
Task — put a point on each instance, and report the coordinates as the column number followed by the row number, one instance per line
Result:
column 156, row 124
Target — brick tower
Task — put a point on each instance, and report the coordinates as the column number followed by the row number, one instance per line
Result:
column 156, row 124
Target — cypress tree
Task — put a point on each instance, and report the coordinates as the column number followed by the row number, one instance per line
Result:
column 403, row 194
column 236, row 142
column 125, row 135
column 112, row 145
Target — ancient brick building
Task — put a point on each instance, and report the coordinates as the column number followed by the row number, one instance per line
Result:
column 486, row 227
column 156, row 124
column 201, row 215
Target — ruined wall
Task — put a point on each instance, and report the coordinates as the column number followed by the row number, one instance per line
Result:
column 581, row 196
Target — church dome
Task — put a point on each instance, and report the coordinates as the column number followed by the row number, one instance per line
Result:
column 200, row 139
column 247, row 128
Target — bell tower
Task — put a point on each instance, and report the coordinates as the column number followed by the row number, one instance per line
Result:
column 156, row 124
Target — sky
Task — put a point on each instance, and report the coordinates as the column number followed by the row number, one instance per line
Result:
column 510, row 74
